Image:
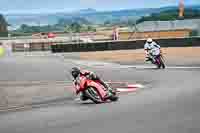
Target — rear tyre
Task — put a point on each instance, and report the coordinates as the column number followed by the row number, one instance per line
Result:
column 93, row 95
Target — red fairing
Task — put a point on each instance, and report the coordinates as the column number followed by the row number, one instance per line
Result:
column 98, row 86
column 84, row 83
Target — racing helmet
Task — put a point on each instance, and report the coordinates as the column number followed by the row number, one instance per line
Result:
column 149, row 40
column 75, row 72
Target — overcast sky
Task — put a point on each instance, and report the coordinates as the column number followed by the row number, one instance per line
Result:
column 71, row 5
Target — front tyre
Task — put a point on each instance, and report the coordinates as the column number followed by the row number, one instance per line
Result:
column 114, row 98
column 93, row 95
column 158, row 63
column 84, row 96
column 162, row 63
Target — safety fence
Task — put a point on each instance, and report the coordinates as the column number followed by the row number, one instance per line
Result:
column 123, row 45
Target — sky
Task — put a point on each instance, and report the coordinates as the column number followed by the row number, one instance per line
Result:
column 38, row 6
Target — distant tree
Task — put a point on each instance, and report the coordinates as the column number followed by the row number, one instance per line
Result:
column 32, row 29
column 107, row 22
column 3, row 26
column 24, row 27
column 67, row 29
column 76, row 27
column 90, row 28
column 68, row 21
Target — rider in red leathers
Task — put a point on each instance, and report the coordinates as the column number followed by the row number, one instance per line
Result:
column 76, row 73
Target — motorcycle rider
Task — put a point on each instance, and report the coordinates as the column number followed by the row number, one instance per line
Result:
column 76, row 73
column 152, row 49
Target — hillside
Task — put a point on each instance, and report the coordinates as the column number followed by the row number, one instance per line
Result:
column 171, row 14
column 3, row 26
column 89, row 15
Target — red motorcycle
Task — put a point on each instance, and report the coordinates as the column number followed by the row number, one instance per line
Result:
column 94, row 91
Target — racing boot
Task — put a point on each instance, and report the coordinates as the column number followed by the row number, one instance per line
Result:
column 148, row 59
column 108, row 88
column 108, row 95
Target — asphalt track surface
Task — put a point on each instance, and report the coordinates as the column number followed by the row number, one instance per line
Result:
column 169, row 103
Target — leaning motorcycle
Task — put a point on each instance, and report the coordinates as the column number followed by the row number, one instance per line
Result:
column 93, row 90
column 158, row 61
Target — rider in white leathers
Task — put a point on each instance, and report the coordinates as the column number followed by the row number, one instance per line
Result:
column 152, row 49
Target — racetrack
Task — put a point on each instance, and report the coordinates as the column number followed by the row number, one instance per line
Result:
column 169, row 102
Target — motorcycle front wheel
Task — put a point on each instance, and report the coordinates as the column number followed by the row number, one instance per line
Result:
column 159, row 62
column 93, row 95
column 114, row 96
column 162, row 62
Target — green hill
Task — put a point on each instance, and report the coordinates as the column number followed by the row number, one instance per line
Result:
column 172, row 14
column 3, row 26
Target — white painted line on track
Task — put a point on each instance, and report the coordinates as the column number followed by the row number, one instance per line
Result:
column 109, row 65
column 167, row 67
column 184, row 67
column 135, row 86
column 126, row 90
column 130, row 88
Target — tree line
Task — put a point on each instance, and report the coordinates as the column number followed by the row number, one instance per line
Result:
column 170, row 15
column 3, row 27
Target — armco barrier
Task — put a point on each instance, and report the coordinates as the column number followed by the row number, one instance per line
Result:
column 123, row 45
column 97, row 46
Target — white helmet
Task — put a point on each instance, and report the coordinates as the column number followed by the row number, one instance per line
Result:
column 149, row 40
